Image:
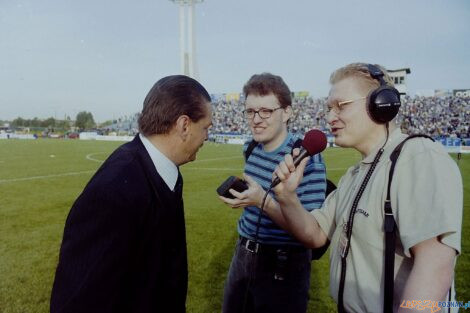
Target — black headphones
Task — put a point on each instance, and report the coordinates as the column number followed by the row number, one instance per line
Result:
column 384, row 102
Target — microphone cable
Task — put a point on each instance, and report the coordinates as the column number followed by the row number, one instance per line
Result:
column 315, row 143
column 252, row 270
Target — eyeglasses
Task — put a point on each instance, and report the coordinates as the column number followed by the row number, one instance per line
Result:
column 263, row 113
column 337, row 106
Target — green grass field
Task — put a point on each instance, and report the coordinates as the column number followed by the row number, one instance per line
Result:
column 40, row 179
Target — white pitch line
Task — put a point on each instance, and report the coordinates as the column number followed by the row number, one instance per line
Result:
column 218, row 159
column 89, row 157
column 12, row 180
column 238, row 169
column 336, row 168
column 213, row 168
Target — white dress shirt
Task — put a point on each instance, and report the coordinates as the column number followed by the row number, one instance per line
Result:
column 164, row 166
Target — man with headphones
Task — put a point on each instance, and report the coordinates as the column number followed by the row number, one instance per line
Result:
column 414, row 197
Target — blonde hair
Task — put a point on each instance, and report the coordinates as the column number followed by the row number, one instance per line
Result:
column 361, row 71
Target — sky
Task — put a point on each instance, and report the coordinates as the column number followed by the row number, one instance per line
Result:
column 60, row 57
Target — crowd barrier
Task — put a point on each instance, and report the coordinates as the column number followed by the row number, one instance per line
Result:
column 95, row 136
column 17, row 136
column 452, row 145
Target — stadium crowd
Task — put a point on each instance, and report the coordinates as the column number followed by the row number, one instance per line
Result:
column 435, row 116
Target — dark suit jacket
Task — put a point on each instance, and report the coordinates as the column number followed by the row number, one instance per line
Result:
column 124, row 244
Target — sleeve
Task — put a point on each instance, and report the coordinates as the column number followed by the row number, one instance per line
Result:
column 311, row 190
column 427, row 194
column 326, row 215
column 97, row 248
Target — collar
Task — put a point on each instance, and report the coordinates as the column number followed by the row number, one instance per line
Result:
column 288, row 138
column 164, row 166
column 393, row 140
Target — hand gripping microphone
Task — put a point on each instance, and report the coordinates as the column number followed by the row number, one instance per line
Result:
column 314, row 142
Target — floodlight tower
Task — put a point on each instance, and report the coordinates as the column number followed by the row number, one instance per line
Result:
column 188, row 62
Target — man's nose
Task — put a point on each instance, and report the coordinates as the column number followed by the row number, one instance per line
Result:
column 257, row 118
column 331, row 117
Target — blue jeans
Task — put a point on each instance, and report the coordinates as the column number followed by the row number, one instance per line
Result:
column 251, row 286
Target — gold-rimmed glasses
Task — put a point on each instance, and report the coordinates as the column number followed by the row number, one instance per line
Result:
column 337, row 106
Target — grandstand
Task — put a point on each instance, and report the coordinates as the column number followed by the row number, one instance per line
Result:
column 125, row 124
column 440, row 117
column 445, row 116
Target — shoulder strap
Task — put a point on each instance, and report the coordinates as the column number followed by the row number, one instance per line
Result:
column 251, row 146
column 389, row 228
column 253, row 143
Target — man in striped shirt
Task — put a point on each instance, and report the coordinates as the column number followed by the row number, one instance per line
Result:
column 270, row 270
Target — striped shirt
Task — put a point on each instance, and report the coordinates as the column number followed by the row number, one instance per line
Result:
column 311, row 191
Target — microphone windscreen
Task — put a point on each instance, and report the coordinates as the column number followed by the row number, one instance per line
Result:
column 314, row 141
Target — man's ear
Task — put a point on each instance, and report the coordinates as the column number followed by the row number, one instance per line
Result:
column 287, row 114
column 182, row 126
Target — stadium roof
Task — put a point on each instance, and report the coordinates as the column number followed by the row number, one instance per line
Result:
column 407, row 69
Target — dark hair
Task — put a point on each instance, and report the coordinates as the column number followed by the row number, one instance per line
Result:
column 267, row 83
column 169, row 98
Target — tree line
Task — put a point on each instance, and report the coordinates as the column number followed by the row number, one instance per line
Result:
column 84, row 120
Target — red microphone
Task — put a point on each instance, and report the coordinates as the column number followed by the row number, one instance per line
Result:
column 314, row 142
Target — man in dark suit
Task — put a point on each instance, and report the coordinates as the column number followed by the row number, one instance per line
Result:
column 124, row 244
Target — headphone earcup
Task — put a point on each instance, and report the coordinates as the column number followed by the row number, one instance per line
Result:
column 383, row 104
